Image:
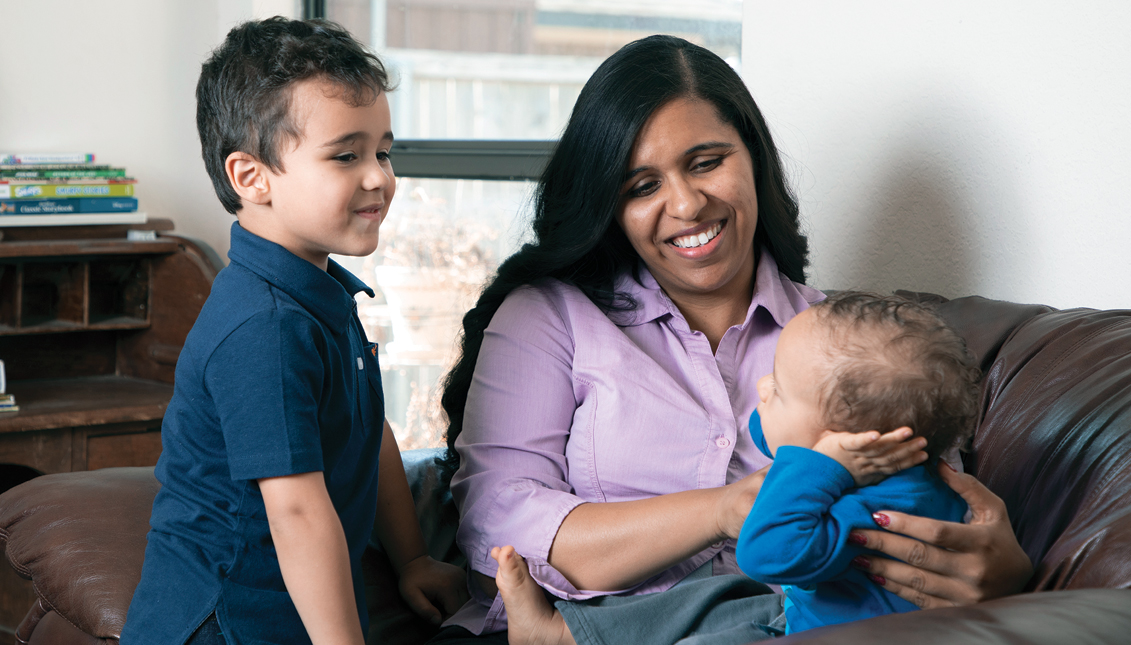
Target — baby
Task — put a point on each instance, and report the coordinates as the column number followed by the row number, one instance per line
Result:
column 854, row 363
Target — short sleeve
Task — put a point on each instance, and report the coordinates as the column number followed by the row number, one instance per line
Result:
column 265, row 380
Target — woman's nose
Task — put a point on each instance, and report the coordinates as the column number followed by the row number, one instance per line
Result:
column 685, row 201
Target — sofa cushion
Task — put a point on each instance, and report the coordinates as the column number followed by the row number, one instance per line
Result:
column 80, row 538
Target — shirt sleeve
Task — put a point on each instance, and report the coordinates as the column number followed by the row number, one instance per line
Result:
column 512, row 486
column 265, row 380
column 797, row 531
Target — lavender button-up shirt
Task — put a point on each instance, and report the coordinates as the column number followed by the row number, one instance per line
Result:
column 569, row 405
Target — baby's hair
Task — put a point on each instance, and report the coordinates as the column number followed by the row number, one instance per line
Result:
column 897, row 363
column 243, row 96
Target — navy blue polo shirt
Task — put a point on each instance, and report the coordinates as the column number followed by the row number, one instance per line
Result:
column 276, row 378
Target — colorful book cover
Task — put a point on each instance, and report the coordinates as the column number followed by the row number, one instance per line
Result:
column 65, row 172
column 47, row 157
column 71, row 205
column 60, row 190
column 74, row 219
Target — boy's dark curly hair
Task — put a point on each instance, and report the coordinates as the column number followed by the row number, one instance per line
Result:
column 244, row 93
column 897, row 363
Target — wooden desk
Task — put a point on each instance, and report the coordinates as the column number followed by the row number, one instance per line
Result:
column 91, row 325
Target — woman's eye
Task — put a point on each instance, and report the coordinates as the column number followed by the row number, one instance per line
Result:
column 708, row 164
column 346, row 157
column 646, row 188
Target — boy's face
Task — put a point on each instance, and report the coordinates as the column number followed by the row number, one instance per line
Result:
column 790, row 396
column 336, row 183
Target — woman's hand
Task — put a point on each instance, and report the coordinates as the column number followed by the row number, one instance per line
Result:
column 869, row 456
column 736, row 501
column 946, row 563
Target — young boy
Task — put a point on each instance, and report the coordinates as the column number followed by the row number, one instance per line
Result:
column 853, row 363
column 276, row 460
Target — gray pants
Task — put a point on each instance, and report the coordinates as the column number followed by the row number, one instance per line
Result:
column 700, row 610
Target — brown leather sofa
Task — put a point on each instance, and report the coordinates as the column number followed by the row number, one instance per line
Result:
column 1054, row 441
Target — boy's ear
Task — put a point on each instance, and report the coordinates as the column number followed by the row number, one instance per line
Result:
column 248, row 177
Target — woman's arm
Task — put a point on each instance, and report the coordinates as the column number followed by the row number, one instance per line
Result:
column 616, row 545
column 944, row 563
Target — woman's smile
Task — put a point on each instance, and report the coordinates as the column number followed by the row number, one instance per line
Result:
column 698, row 241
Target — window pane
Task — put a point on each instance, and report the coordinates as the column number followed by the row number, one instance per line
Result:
column 440, row 242
column 512, row 69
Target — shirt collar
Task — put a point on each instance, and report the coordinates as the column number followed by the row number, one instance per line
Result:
column 774, row 292
column 328, row 295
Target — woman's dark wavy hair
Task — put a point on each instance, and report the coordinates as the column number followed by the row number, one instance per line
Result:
column 576, row 237
column 243, row 96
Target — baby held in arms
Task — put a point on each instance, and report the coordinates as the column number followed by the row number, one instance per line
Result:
column 855, row 363
column 845, row 370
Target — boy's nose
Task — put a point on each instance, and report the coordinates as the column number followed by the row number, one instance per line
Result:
column 764, row 388
column 376, row 177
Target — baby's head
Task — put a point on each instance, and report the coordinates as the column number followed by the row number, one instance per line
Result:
column 858, row 362
column 246, row 95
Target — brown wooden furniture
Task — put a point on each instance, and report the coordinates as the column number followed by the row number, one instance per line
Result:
column 91, row 325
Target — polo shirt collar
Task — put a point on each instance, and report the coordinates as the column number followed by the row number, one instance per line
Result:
column 770, row 293
column 328, row 295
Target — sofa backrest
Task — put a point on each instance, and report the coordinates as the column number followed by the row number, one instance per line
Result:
column 1054, row 438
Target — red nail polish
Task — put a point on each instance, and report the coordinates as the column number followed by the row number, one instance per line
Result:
column 876, row 579
column 857, row 538
column 881, row 519
column 861, row 562
column 944, row 462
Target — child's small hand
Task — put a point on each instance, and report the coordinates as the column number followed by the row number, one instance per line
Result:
column 434, row 590
column 870, row 456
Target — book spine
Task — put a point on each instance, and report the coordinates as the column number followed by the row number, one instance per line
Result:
column 108, row 173
column 56, row 157
column 64, row 206
column 50, row 191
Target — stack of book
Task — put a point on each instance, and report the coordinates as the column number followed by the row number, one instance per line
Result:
column 64, row 189
column 8, row 403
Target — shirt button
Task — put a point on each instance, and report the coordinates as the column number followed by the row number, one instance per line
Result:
column 722, row 442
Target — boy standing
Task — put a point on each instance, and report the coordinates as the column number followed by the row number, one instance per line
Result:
column 853, row 363
column 276, row 459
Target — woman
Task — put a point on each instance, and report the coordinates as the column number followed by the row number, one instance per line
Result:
column 614, row 359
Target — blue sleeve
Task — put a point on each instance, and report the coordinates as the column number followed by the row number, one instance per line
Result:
column 266, row 380
column 797, row 532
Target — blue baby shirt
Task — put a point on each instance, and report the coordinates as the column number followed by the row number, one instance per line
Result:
column 797, row 533
column 276, row 378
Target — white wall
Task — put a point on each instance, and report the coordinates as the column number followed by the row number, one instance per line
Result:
column 118, row 78
column 958, row 146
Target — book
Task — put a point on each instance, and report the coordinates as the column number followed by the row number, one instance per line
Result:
column 68, row 205
column 62, row 172
column 74, row 219
column 47, row 157
column 108, row 188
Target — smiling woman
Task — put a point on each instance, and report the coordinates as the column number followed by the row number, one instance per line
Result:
column 599, row 410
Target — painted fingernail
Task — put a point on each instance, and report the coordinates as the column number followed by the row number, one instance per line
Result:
column 861, row 562
column 857, row 538
column 881, row 519
column 944, row 462
column 876, row 579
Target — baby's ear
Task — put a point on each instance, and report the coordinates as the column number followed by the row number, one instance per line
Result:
column 249, row 178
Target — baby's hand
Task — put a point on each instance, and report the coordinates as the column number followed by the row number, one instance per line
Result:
column 870, row 456
column 434, row 590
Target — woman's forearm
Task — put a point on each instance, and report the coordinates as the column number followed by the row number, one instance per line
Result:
column 612, row 546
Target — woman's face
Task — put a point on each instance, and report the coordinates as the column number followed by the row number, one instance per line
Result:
column 688, row 204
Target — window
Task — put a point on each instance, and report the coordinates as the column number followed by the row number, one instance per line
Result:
column 484, row 89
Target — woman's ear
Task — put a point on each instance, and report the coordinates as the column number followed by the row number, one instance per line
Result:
column 249, row 178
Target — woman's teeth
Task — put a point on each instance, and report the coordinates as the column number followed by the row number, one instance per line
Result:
column 692, row 241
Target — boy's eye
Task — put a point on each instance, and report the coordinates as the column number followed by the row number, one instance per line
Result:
column 383, row 155
column 345, row 157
